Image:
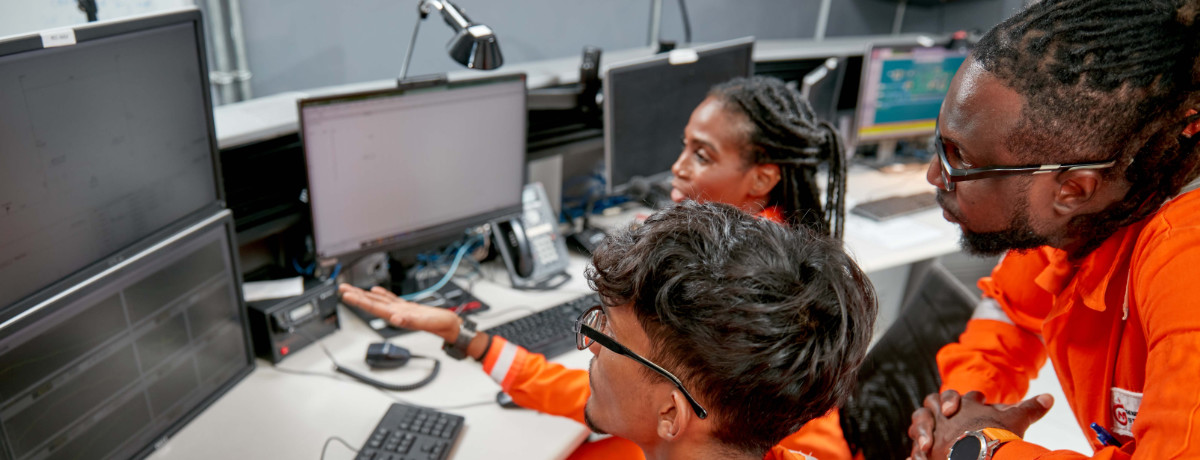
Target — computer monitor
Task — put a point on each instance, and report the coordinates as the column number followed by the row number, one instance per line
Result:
column 406, row 168
column 102, row 142
column 822, row 86
column 902, row 90
column 107, row 367
column 648, row 102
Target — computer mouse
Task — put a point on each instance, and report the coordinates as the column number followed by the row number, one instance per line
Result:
column 384, row 355
column 506, row 401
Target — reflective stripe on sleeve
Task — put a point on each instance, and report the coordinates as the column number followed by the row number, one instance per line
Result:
column 504, row 363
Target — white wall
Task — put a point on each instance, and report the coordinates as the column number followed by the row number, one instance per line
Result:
column 24, row 16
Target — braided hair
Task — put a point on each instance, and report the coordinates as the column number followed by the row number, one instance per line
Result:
column 782, row 129
column 1105, row 79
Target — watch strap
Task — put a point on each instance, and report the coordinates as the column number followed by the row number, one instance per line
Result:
column 466, row 333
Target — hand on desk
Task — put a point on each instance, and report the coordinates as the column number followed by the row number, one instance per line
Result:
column 402, row 313
column 948, row 415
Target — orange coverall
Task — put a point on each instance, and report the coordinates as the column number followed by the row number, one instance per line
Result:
column 1122, row 327
column 553, row 389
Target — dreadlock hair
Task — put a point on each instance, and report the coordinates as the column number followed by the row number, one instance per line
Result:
column 782, row 129
column 1102, row 80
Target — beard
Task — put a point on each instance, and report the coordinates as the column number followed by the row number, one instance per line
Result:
column 587, row 408
column 591, row 424
column 1020, row 234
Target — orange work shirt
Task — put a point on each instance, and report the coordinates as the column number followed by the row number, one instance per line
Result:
column 551, row 388
column 1122, row 327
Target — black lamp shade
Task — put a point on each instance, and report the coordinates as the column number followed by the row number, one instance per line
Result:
column 476, row 47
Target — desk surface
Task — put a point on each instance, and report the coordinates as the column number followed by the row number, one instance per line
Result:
column 274, row 414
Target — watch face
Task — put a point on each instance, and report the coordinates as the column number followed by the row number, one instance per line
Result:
column 969, row 447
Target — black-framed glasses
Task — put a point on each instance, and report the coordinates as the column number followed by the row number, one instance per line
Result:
column 587, row 331
column 952, row 174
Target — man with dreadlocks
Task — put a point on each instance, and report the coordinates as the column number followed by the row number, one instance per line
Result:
column 1096, row 101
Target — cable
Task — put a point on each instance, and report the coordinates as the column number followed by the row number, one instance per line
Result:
column 338, row 439
column 687, row 23
column 433, row 373
column 462, row 251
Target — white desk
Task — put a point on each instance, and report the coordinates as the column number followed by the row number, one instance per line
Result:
column 272, row 414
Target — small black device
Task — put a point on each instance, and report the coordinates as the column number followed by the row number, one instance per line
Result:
column 383, row 355
column 896, row 206
column 282, row 326
column 589, row 80
column 533, row 250
column 548, row 332
column 408, row 431
column 506, row 401
column 587, row 239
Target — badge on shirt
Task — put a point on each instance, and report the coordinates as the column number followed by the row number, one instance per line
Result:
column 1125, row 405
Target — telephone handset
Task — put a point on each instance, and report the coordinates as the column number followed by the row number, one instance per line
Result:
column 532, row 248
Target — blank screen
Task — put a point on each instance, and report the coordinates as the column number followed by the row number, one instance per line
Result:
column 104, row 374
column 382, row 166
column 649, row 103
column 101, row 144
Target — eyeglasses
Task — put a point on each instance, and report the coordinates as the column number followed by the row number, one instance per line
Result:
column 952, row 174
column 587, row 331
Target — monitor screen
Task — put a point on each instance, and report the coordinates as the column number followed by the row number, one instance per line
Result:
column 902, row 90
column 111, row 365
column 400, row 168
column 822, row 86
column 648, row 102
column 102, row 143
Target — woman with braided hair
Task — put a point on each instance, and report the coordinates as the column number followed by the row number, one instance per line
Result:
column 1068, row 139
column 756, row 144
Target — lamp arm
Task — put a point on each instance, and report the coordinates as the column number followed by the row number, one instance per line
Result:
column 453, row 16
column 421, row 15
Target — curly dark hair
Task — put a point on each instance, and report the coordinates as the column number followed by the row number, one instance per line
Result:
column 1105, row 79
column 766, row 324
column 783, row 129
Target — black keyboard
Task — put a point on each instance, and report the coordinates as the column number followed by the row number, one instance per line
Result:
column 410, row 433
column 896, row 206
column 550, row 331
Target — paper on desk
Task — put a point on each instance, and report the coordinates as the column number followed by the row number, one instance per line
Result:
column 898, row 233
column 274, row 289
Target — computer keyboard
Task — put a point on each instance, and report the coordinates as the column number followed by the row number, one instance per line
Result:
column 549, row 331
column 896, row 206
column 410, row 433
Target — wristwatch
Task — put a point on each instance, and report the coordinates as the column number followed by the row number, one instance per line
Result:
column 980, row 445
column 466, row 333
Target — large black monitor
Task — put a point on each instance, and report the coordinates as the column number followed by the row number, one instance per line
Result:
column 106, row 136
column 648, row 102
column 107, row 367
column 407, row 168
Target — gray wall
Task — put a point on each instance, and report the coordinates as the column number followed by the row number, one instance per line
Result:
column 300, row 44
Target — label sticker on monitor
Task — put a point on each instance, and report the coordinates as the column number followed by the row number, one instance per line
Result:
column 60, row 37
column 683, row 56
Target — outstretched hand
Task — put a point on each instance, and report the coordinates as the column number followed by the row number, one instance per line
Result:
column 402, row 313
column 948, row 415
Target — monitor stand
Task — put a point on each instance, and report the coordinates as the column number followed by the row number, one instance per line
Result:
column 885, row 153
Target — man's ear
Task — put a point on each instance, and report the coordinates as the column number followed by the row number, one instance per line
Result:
column 1077, row 192
column 763, row 178
column 674, row 417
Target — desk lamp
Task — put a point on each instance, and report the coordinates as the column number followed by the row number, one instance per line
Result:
column 474, row 45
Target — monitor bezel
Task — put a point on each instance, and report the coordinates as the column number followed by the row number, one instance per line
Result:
column 35, row 310
column 643, row 63
column 435, row 235
column 32, row 42
column 864, row 78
